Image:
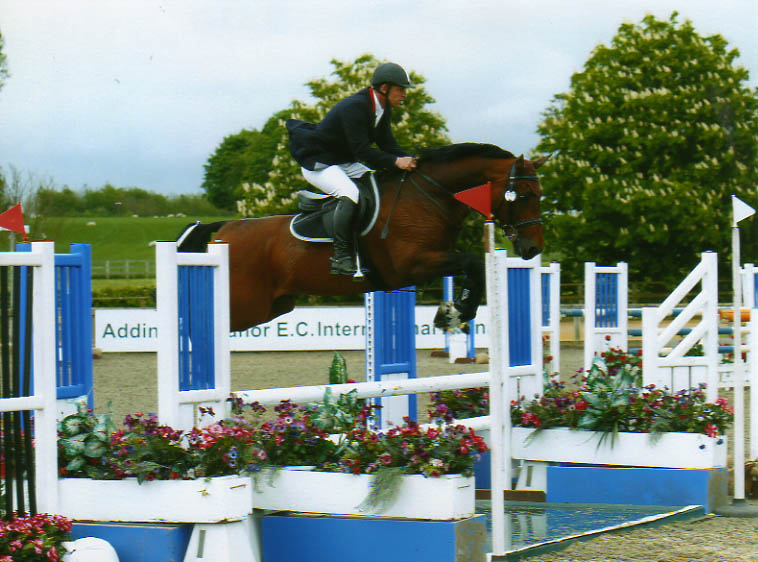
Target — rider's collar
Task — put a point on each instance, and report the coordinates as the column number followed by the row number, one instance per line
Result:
column 376, row 106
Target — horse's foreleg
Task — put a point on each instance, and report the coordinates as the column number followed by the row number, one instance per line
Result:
column 469, row 297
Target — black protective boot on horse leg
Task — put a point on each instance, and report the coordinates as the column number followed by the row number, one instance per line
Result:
column 343, row 262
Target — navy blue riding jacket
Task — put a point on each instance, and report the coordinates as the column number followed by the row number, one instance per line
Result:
column 346, row 134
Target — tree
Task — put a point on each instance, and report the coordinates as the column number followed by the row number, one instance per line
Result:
column 413, row 126
column 241, row 158
column 3, row 76
column 653, row 137
column 3, row 63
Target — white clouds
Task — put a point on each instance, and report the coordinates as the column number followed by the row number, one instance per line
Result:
column 159, row 83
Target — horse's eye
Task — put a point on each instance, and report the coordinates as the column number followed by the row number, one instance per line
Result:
column 510, row 195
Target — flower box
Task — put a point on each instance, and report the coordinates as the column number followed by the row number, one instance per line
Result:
column 223, row 498
column 664, row 450
column 294, row 489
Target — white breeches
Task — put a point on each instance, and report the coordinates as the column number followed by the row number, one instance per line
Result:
column 335, row 180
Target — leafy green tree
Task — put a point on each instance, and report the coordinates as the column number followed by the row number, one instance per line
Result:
column 3, row 76
column 244, row 157
column 64, row 203
column 3, row 63
column 654, row 135
column 414, row 126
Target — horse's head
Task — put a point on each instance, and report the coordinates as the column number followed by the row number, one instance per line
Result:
column 516, row 206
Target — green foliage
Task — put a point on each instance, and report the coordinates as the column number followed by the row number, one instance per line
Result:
column 111, row 201
column 460, row 404
column 413, row 127
column 3, row 64
column 124, row 296
column 83, row 442
column 339, row 415
column 34, row 538
column 654, row 135
column 294, row 438
column 241, row 158
column 610, row 398
column 338, row 369
column 432, row 451
column 113, row 238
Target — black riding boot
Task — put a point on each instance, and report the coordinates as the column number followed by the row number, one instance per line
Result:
column 343, row 262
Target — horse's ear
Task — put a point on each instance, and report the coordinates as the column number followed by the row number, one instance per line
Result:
column 540, row 161
column 520, row 160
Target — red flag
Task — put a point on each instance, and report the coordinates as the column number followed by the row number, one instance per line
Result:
column 13, row 219
column 478, row 198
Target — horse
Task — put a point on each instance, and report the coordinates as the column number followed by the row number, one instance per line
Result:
column 269, row 267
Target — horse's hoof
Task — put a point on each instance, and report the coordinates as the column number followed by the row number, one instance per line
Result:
column 447, row 316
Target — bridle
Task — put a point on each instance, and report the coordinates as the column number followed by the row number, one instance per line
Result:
column 509, row 196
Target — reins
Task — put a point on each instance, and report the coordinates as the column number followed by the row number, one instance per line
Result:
column 510, row 196
column 431, row 180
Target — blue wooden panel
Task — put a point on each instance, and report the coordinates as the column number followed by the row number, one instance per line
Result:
column 395, row 336
column 637, row 486
column 545, row 287
column 196, row 316
column 606, row 300
column 519, row 317
column 140, row 542
column 299, row 538
column 73, row 321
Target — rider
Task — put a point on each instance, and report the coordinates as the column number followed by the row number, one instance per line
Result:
column 340, row 147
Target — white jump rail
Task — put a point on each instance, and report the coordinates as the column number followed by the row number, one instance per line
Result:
column 42, row 401
column 315, row 393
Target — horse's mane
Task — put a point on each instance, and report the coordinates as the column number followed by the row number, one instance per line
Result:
column 453, row 152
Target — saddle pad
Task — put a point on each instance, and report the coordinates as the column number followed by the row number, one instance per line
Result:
column 310, row 227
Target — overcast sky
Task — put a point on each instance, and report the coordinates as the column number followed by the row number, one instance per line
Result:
column 139, row 93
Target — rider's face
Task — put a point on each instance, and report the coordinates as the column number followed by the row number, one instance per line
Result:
column 395, row 95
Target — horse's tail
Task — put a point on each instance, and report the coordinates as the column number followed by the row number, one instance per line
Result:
column 196, row 235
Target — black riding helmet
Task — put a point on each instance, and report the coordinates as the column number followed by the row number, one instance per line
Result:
column 392, row 73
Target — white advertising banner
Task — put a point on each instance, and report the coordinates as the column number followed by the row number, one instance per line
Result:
column 303, row 329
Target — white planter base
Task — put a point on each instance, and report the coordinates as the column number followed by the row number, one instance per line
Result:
column 665, row 450
column 445, row 498
column 223, row 498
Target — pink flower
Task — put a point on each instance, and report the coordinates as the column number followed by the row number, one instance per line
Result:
column 711, row 430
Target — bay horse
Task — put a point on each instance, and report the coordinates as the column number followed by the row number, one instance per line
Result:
column 269, row 267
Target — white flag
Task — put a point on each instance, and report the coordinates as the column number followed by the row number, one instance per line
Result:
column 740, row 210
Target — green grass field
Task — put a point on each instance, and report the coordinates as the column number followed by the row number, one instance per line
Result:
column 114, row 238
